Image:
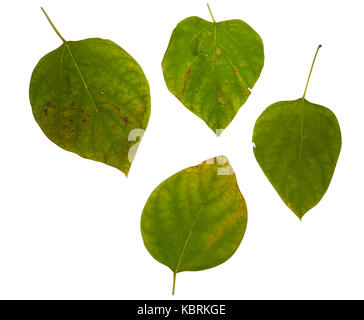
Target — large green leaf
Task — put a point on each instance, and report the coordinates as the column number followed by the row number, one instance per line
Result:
column 195, row 219
column 211, row 67
column 87, row 96
column 297, row 145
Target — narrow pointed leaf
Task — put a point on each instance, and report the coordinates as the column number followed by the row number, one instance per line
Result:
column 87, row 96
column 297, row 145
column 195, row 219
column 211, row 67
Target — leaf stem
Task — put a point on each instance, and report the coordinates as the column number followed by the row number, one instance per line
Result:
column 53, row 26
column 212, row 16
column 174, row 283
column 309, row 75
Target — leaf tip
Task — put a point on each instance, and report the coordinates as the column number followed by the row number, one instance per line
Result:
column 125, row 171
column 299, row 215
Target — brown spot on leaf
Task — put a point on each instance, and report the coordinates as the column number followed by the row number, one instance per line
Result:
column 109, row 103
column 50, row 105
column 84, row 120
column 46, row 111
column 113, row 104
column 214, row 61
column 86, row 115
column 186, row 79
column 126, row 120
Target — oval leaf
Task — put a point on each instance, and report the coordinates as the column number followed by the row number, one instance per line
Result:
column 195, row 219
column 87, row 96
column 297, row 144
column 211, row 67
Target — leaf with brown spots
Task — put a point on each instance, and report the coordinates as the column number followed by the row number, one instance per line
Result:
column 87, row 96
column 207, row 62
column 196, row 219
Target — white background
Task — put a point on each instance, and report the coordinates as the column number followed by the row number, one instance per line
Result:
column 70, row 227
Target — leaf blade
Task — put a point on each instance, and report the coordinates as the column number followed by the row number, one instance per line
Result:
column 297, row 145
column 208, row 74
column 195, row 219
column 79, row 99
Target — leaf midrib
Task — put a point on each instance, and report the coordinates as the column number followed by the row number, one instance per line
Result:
column 89, row 94
column 188, row 237
column 301, row 132
column 81, row 76
column 194, row 224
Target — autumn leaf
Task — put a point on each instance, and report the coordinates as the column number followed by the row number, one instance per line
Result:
column 88, row 96
column 195, row 219
column 212, row 66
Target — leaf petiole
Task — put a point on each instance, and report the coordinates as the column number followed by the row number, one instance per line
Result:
column 212, row 16
column 174, row 283
column 53, row 26
column 309, row 75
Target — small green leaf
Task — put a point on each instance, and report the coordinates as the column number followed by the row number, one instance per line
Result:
column 297, row 145
column 211, row 67
column 195, row 219
column 88, row 96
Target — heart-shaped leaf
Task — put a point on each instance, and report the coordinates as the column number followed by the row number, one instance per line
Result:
column 87, row 96
column 211, row 67
column 297, row 145
column 195, row 219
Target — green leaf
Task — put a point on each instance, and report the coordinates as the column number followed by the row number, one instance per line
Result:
column 211, row 67
column 195, row 219
column 88, row 96
column 297, row 145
